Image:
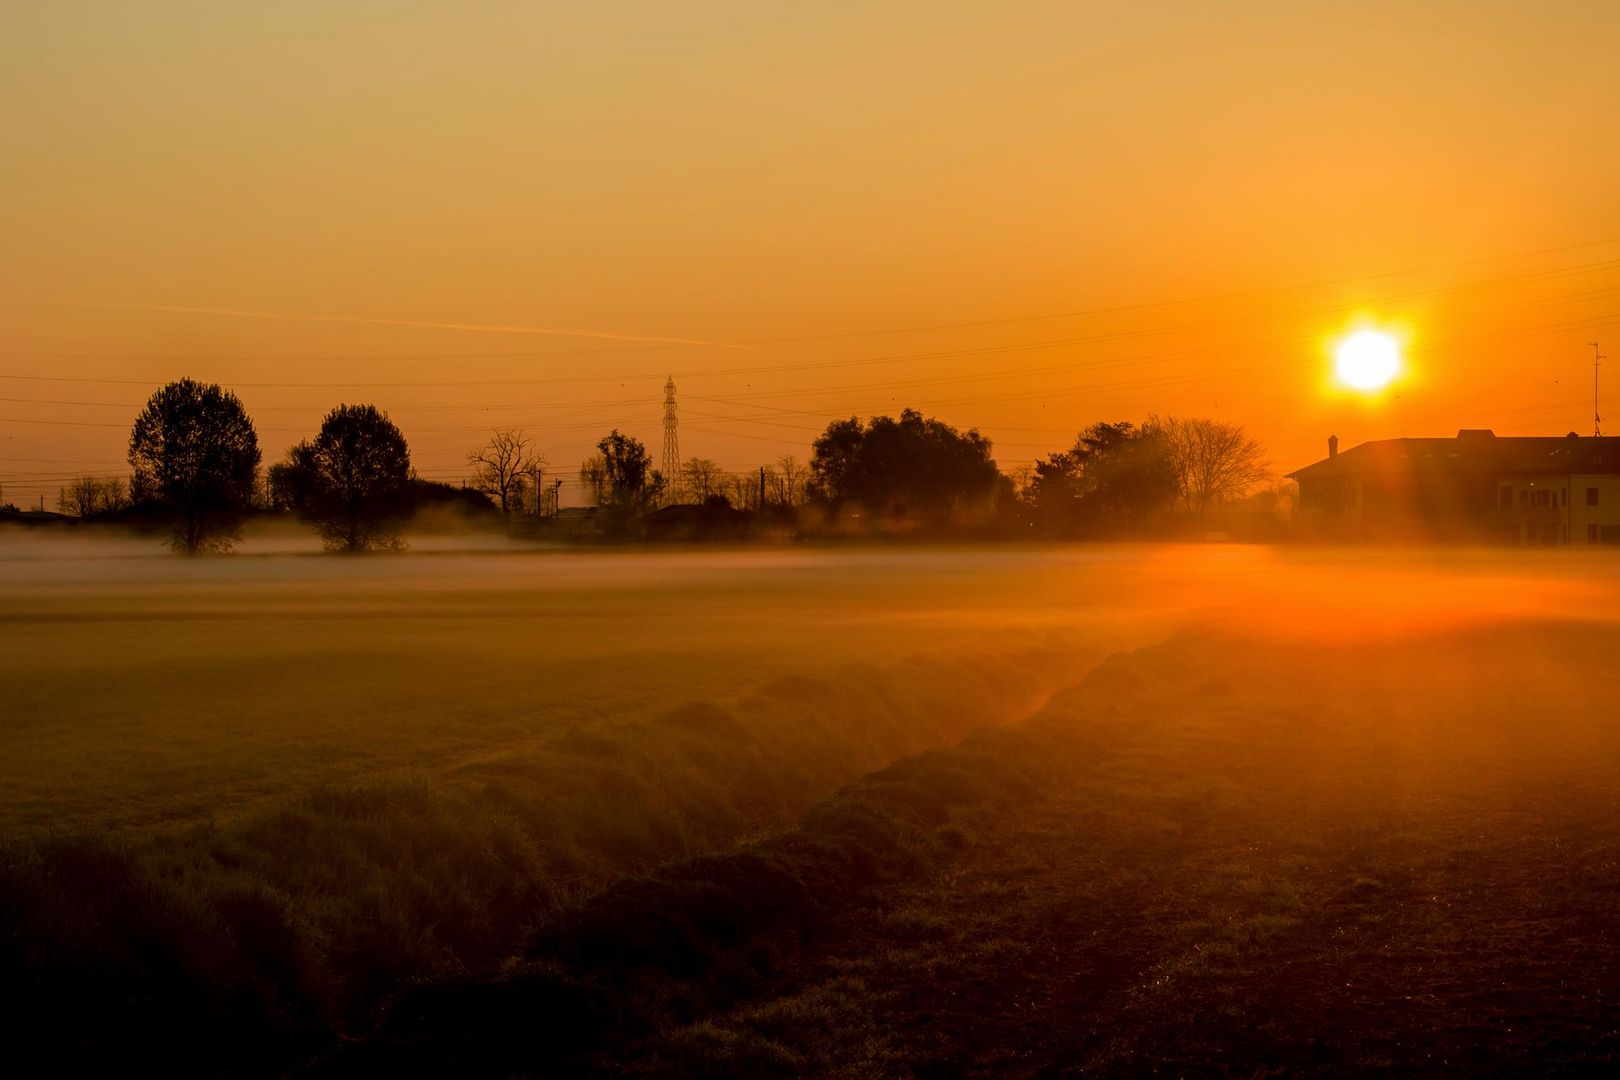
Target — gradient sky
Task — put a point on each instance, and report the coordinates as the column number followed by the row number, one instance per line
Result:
column 1021, row 217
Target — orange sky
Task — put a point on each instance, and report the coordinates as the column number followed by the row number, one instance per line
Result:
column 1024, row 217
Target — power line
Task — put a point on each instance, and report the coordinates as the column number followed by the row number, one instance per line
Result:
column 666, row 344
column 904, row 357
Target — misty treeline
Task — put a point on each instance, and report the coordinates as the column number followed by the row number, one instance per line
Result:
column 1118, row 480
column 196, row 469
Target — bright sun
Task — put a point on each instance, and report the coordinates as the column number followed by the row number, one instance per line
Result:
column 1367, row 360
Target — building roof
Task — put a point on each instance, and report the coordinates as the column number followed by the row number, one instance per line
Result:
column 1473, row 452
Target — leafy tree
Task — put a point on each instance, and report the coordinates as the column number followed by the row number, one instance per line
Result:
column 358, row 472
column 897, row 466
column 1112, row 479
column 503, row 466
column 195, row 454
column 630, row 482
column 1213, row 461
column 291, row 482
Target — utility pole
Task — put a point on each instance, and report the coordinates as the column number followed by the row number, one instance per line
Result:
column 762, row 489
column 1597, row 362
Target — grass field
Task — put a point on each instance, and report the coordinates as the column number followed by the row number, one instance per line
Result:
column 1406, row 863
column 739, row 812
column 143, row 691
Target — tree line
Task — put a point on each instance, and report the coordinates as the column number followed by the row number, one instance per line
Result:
column 195, row 463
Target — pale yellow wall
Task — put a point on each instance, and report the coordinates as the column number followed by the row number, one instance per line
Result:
column 1606, row 512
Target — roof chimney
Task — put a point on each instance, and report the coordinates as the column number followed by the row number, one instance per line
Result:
column 1333, row 446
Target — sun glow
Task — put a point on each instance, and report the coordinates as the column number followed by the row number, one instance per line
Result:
column 1367, row 360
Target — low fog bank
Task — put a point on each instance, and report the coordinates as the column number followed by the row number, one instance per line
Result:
column 1283, row 590
column 129, row 677
column 260, row 537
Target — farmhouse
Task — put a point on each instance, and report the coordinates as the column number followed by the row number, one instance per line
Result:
column 1475, row 486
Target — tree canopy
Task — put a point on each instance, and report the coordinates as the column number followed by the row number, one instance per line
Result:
column 194, row 453
column 1112, row 478
column 913, row 464
column 355, row 476
column 629, row 482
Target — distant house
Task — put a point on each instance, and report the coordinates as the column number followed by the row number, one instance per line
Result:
column 711, row 520
column 574, row 523
column 1475, row 486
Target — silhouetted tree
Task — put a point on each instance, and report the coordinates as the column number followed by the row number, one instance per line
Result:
column 631, row 483
column 449, row 501
column 1112, row 479
column 503, row 467
column 291, row 481
column 788, row 480
column 740, row 490
column 593, row 477
column 358, row 471
column 701, row 478
column 195, row 454
column 91, row 495
column 900, row 466
column 1213, row 461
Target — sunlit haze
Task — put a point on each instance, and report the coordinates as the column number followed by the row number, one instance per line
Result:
column 826, row 539
column 1026, row 220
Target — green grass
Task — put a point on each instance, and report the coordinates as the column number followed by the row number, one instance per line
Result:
column 138, row 696
column 530, row 813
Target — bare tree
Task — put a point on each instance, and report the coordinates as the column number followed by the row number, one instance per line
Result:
column 740, row 489
column 91, row 495
column 593, row 475
column 503, row 466
column 1213, row 461
column 701, row 479
column 1023, row 479
column 790, row 481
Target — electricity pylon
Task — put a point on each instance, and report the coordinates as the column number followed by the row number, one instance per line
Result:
column 672, row 442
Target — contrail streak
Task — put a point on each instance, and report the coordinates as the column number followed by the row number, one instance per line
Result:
column 486, row 328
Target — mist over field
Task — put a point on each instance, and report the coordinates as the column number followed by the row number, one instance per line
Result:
column 776, row 812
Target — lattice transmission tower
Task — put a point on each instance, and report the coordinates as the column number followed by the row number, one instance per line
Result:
column 672, row 442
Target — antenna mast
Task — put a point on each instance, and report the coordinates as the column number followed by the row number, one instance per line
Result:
column 672, row 444
column 1597, row 362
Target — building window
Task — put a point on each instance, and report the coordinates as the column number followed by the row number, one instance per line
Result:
column 1505, row 500
column 1543, row 497
column 1591, row 534
column 1591, row 496
column 1524, row 496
